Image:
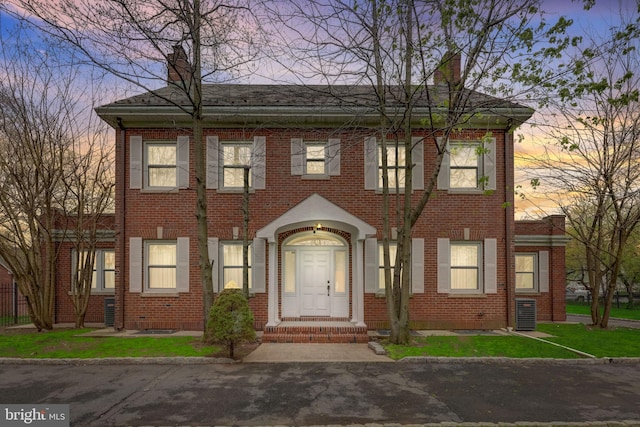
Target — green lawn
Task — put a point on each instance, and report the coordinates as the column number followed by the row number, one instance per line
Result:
column 619, row 313
column 478, row 346
column 618, row 342
column 65, row 343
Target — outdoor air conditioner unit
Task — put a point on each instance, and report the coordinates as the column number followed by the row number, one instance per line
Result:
column 525, row 314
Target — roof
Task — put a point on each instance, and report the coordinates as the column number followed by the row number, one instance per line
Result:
column 246, row 105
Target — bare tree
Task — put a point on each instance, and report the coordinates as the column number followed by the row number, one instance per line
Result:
column 131, row 39
column 397, row 48
column 593, row 165
column 38, row 126
column 90, row 195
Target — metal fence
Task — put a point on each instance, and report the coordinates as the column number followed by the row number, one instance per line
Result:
column 13, row 306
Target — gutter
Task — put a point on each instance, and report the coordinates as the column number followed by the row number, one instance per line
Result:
column 120, row 212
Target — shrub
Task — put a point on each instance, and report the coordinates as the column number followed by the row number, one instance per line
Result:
column 230, row 320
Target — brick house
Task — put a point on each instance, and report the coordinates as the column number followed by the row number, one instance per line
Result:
column 315, row 213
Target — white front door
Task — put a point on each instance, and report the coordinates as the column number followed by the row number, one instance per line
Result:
column 315, row 286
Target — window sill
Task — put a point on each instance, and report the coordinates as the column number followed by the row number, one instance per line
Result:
column 465, row 191
column 315, row 177
column 532, row 293
column 153, row 294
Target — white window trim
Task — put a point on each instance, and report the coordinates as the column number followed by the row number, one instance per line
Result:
column 536, row 273
column 147, row 288
column 98, row 267
column 480, row 268
column 223, row 166
column 390, row 169
column 145, row 175
column 331, row 158
column 306, row 160
column 486, row 167
column 475, row 145
column 223, row 267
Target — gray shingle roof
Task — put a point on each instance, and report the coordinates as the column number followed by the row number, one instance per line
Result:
column 238, row 100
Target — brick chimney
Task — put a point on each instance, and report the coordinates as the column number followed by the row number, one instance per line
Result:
column 178, row 68
column 448, row 72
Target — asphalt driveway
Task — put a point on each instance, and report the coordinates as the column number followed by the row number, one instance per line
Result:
column 329, row 393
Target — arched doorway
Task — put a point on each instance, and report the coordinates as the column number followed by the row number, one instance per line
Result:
column 315, row 276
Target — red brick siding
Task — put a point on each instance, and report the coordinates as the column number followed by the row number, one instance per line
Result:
column 446, row 215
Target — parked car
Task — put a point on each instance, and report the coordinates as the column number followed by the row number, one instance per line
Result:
column 577, row 293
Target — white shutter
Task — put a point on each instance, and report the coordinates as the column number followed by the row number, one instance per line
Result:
column 371, row 270
column 444, row 265
column 443, row 175
column 417, row 155
column 489, row 163
column 258, row 162
column 212, row 162
column 543, row 270
column 417, row 266
column 370, row 163
column 297, row 156
column 258, row 266
column 182, row 266
column 135, row 264
column 135, row 162
column 183, row 161
column 214, row 255
column 333, row 152
column 490, row 266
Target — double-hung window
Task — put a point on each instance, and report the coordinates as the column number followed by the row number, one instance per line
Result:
column 393, row 250
column 104, row 269
column 161, row 161
column 161, row 265
column 315, row 158
column 468, row 166
column 232, row 265
column 159, row 165
column 466, row 262
column 526, row 268
column 236, row 156
column 396, row 166
column 465, row 168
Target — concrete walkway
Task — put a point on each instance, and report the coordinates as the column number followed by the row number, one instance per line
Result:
column 284, row 352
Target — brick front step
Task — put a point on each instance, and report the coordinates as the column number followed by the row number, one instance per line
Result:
column 315, row 330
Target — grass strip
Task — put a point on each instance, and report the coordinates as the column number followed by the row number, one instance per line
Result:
column 617, row 313
column 615, row 342
column 66, row 343
column 478, row 346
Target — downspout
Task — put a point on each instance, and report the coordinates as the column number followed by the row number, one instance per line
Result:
column 508, row 218
column 120, row 212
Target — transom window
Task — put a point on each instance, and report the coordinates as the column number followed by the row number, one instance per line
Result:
column 161, row 265
column 315, row 163
column 161, row 164
column 396, row 166
column 525, row 272
column 464, row 169
column 232, row 265
column 465, row 266
column 235, row 157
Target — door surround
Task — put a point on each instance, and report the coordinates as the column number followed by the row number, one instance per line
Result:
column 303, row 282
column 313, row 210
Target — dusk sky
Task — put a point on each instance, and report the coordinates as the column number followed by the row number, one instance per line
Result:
column 604, row 15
